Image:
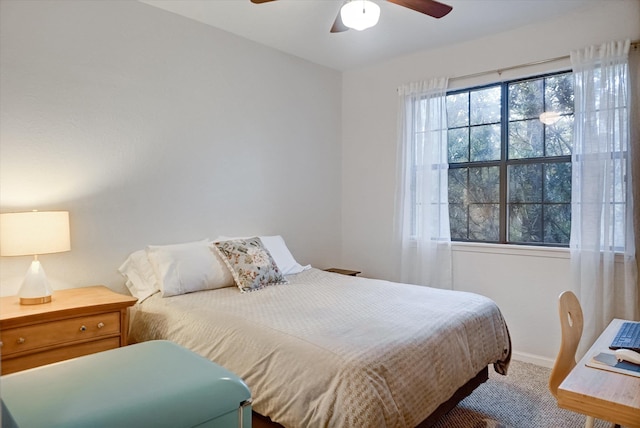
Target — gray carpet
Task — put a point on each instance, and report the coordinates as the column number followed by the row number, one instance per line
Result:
column 519, row 400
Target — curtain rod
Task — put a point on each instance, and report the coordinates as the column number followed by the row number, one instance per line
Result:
column 634, row 45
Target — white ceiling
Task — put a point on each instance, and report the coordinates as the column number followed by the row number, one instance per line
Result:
column 301, row 27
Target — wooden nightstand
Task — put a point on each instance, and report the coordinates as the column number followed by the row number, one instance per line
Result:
column 344, row 271
column 78, row 321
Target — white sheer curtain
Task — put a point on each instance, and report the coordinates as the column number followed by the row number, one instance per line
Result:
column 602, row 199
column 422, row 209
column 634, row 145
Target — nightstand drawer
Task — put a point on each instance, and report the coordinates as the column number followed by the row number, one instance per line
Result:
column 12, row 365
column 28, row 338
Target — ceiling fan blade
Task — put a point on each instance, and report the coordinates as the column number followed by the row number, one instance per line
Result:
column 338, row 26
column 428, row 7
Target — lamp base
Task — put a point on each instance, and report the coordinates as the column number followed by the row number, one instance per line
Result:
column 35, row 288
column 34, row 300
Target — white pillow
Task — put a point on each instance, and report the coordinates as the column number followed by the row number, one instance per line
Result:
column 185, row 268
column 282, row 256
column 140, row 277
column 280, row 253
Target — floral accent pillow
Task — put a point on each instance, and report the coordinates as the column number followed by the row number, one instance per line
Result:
column 250, row 263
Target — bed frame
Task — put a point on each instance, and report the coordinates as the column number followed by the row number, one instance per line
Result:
column 259, row 421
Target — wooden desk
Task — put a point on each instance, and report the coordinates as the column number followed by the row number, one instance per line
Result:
column 599, row 393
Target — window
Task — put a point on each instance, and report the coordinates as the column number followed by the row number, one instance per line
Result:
column 510, row 173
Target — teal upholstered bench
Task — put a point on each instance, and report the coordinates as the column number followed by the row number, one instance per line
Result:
column 150, row 384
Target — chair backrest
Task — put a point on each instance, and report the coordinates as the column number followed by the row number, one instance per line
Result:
column 571, row 323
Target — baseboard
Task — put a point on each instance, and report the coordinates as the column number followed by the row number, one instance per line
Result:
column 533, row 359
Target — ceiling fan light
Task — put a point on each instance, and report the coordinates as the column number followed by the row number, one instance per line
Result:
column 360, row 14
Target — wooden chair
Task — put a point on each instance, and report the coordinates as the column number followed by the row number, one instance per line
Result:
column 571, row 323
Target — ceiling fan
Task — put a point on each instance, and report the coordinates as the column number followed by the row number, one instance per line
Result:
column 361, row 14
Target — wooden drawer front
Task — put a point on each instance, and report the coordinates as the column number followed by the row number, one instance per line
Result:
column 54, row 333
column 12, row 365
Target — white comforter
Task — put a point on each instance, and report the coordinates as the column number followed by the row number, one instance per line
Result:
column 329, row 350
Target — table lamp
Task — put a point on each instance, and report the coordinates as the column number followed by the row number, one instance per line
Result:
column 31, row 234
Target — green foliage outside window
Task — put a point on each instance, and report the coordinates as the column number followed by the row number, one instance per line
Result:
column 510, row 173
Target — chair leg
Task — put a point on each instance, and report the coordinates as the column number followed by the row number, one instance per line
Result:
column 589, row 422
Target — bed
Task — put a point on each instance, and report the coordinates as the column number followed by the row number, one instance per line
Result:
column 329, row 350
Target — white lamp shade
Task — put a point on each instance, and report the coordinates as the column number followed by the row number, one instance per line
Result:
column 33, row 233
column 30, row 234
column 360, row 14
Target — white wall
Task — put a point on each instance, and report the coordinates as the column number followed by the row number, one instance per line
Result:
column 525, row 283
column 151, row 128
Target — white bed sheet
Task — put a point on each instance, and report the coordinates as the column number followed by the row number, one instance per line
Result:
column 328, row 350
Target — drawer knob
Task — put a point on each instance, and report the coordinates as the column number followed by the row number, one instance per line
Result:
column 100, row 324
column 83, row 328
column 20, row 341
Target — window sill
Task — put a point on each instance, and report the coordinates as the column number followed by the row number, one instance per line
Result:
column 511, row 250
column 518, row 250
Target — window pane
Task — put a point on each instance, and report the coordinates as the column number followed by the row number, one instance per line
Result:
column 526, row 139
column 484, row 184
column 458, row 203
column 485, row 106
column 525, row 183
column 484, row 203
column 559, row 137
column 619, row 178
column 525, row 223
column 485, row 143
column 557, row 182
column 525, row 100
column 559, row 93
column 458, row 110
column 620, row 223
column 458, row 221
column 458, row 145
column 557, row 223
column 619, row 191
column 457, row 185
column 484, row 222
